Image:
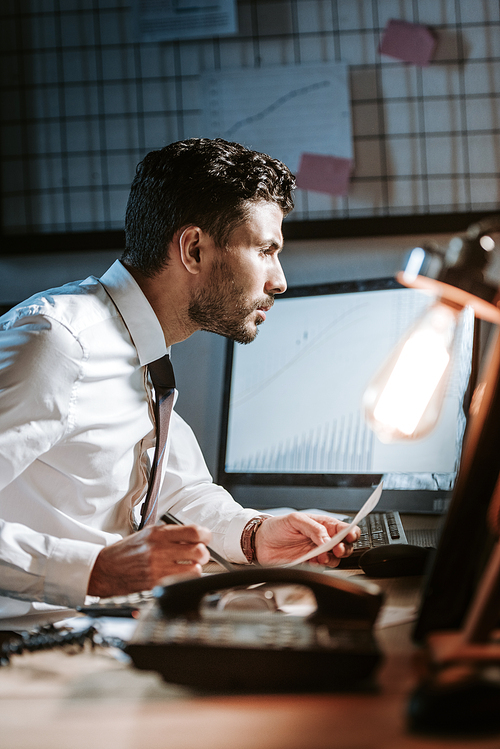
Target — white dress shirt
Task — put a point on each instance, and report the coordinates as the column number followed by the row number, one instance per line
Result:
column 76, row 423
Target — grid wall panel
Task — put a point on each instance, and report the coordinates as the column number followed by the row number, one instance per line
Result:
column 81, row 102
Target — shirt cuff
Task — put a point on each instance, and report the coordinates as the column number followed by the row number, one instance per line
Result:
column 68, row 571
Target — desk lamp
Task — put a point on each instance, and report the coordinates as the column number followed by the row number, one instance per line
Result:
column 403, row 401
column 463, row 691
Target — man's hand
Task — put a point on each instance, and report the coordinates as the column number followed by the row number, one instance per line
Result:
column 284, row 538
column 141, row 560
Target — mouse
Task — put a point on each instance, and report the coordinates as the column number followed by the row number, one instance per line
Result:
column 456, row 704
column 394, row 560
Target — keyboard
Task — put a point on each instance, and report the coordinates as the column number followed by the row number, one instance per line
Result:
column 382, row 528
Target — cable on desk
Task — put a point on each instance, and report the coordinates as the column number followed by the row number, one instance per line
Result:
column 48, row 637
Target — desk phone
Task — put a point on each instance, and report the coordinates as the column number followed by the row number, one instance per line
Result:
column 254, row 650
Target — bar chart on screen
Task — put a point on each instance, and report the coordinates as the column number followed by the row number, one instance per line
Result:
column 343, row 445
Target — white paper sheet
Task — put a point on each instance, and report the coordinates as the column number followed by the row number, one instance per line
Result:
column 155, row 21
column 368, row 506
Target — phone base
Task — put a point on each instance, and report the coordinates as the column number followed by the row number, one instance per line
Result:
column 256, row 652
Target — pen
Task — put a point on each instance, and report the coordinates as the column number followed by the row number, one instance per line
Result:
column 170, row 519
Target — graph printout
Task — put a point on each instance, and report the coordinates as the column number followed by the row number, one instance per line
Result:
column 281, row 110
column 296, row 391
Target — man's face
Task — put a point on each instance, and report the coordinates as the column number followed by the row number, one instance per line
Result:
column 244, row 277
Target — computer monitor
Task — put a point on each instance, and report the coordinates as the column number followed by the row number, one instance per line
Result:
column 293, row 432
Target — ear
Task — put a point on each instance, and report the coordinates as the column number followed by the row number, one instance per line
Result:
column 191, row 240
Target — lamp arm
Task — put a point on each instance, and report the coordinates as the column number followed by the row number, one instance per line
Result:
column 482, row 616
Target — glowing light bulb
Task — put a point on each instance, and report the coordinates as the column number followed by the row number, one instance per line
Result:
column 404, row 399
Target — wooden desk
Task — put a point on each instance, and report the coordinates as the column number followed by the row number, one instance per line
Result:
column 52, row 700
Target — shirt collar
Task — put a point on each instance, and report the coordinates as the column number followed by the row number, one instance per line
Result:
column 137, row 313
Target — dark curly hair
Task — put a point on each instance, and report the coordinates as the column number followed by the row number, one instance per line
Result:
column 201, row 182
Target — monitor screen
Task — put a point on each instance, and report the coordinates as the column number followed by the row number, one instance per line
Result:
column 293, row 431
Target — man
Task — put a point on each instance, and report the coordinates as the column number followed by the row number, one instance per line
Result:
column 203, row 236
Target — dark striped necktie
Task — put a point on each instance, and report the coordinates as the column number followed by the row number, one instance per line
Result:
column 162, row 377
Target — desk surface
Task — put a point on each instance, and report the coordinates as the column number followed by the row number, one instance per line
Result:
column 52, row 700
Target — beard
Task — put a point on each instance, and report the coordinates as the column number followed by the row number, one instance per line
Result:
column 223, row 308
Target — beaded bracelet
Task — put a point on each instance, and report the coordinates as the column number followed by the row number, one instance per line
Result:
column 248, row 538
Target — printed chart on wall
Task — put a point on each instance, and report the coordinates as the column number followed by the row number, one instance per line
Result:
column 284, row 111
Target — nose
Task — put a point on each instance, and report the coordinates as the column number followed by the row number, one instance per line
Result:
column 276, row 283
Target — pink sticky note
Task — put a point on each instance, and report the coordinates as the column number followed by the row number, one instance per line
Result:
column 328, row 174
column 410, row 42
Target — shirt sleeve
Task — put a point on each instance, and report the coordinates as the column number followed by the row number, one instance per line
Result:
column 39, row 371
column 189, row 492
column 39, row 567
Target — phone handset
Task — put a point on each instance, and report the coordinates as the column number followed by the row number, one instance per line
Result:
column 337, row 597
